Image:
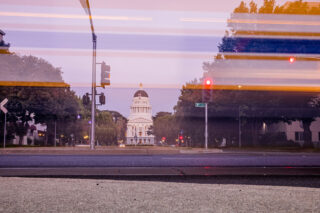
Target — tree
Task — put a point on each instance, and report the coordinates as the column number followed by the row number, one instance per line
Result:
column 48, row 104
column 297, row 7
column 255, row 107
column 242, row 8
column 110, row 127
column 267, row 7
column 298, row 103
column 165, row 125
column 120, row 123
column 253, row 7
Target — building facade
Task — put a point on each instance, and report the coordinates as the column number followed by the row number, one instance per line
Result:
column 140, row 120
column 294, row 131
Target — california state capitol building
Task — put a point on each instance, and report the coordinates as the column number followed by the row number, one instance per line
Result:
column 140, row 120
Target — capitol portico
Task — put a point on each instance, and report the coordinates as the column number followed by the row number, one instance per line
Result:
column 140, row 120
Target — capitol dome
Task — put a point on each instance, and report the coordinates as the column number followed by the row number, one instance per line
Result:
column 140, row 120
column 141, row 93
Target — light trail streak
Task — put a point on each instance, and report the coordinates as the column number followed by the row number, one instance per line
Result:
column 69, row 16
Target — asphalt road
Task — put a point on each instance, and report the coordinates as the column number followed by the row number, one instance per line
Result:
column 172, row 160
column 173, row 164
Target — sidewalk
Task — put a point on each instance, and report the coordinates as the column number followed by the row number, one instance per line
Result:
column 104, row 150
column 150, row 150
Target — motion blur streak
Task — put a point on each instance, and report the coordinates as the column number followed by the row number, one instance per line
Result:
column 113, row 53
column 258, row 88
column 177, row 86
column 281, row 57
column 67, row 16
column 312, row 23
column 114, row 29
column 214, row 20
column 33, row 84
column 244, row 21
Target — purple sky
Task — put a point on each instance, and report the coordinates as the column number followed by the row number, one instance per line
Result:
column 161, row 44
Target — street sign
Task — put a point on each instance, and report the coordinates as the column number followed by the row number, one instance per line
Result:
column 200, row 104
column 3, row 109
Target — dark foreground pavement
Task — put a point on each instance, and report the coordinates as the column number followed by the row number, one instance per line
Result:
column 166, row 194
column 165, row 164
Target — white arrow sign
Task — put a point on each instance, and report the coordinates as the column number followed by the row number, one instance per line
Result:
column 2, row 105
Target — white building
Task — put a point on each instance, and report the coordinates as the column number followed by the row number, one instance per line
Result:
column 294, row 131
column 140, row 120
column 35, row 132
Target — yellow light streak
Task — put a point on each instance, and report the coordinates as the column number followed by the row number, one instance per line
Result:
column 246, row 21
column 315, row 89
column 272, row 34
column 32, row 84
column 269, row 57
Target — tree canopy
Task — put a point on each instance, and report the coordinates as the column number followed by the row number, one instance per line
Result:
column 47, row 104
column 254, row 107
column 298, row 7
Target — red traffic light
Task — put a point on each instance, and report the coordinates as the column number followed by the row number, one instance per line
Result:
column 208, row 81
column 207, row 89
column 292, row 60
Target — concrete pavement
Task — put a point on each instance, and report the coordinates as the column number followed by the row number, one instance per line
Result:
column 143, row 150
column 110, row 150
column 218, row 194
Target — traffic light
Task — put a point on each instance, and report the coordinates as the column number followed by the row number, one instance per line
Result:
column 180, row 137
column 292, row 60
column 207, row 89
column 105, row 74
column 102, row 99
column 86, row 99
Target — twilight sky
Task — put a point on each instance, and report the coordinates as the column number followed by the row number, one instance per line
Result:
column 159, row 43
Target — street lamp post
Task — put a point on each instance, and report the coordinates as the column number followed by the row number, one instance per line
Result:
column 85, row 4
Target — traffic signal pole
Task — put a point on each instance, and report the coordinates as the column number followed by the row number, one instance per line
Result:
column 93, row 102
column 206, row 96
column 206, row 126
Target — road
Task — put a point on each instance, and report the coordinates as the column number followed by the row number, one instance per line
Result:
column 172, row 183
column 172, row 160
column 165, row 164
